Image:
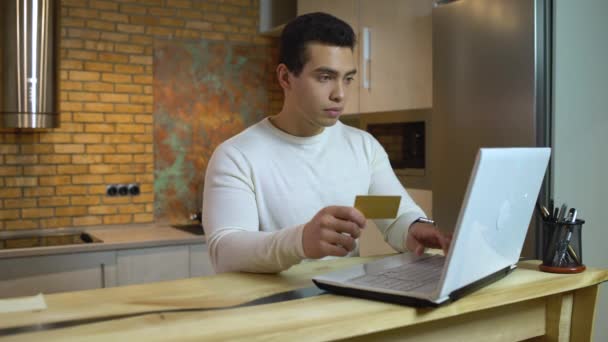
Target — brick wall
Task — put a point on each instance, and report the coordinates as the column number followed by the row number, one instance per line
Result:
column 57, row 178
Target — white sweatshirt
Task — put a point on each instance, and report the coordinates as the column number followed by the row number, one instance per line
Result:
column 263, row 185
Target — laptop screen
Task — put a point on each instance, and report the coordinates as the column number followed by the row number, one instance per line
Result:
column 495, row 214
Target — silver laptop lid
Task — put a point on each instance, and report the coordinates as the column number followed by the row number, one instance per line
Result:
column 495, row 214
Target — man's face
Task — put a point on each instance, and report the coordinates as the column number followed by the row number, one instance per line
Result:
column 318, row 95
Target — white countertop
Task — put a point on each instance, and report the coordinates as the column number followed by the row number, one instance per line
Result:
column 114, row 237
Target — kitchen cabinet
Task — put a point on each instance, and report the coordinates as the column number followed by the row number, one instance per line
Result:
column 274, row 14
column 394, row 60
column 145, row 265
column 200, row 263
column 23, row 276
column 56, row 273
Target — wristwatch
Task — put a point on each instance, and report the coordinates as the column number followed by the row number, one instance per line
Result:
column 424, row 220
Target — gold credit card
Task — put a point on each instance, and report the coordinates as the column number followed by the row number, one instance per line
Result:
column 378, row 207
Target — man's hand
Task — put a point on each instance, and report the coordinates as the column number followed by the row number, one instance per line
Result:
column 422, row 235
column 332, row 231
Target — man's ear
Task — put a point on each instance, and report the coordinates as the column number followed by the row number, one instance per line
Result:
column 283, row 76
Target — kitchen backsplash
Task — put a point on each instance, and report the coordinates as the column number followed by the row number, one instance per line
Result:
column 204, row 93
column 57, row 178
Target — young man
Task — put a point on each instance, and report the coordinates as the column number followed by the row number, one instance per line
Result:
column 282, row 190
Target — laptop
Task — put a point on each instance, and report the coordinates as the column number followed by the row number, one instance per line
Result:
column 486, row 244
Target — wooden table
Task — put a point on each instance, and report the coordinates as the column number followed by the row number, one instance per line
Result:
column 526, row 304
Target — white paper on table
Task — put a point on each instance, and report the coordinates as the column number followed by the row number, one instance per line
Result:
column 31, row 303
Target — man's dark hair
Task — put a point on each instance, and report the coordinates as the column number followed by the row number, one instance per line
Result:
column 313, row 27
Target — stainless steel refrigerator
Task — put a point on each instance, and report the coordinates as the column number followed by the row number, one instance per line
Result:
column 491, row 88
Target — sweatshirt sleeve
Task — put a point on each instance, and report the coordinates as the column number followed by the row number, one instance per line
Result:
column 385, row 182
column 231, row 222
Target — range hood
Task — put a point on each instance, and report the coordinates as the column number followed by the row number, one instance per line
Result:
column 28, row 64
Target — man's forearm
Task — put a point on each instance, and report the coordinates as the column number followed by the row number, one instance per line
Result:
column 396, row 233
column 234, row 250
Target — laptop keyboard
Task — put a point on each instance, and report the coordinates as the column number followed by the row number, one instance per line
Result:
column 406, row 277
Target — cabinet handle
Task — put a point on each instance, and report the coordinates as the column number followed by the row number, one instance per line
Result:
column 367, row 61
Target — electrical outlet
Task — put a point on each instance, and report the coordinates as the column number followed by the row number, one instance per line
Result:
column 133, row 189
column 112, row 190
column 123, row 190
